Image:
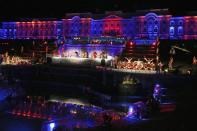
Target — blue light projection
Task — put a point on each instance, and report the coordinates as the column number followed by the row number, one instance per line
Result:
column 150, row 26
column 96, row 28
column 75, row 26
column 143, row 42
column 131, row 112
column 176, row 28
column 8, row 30
column 112, row 50
column 3, row 34
column 52, row 125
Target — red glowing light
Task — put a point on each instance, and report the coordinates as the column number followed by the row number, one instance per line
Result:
column 131, row 43
column 43, row 116
column 13, row 112
column 39, row 116
column 18, row 113
column 49, row 118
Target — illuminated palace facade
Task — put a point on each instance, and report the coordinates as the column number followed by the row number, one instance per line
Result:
column 150, row 26
column 89, row 36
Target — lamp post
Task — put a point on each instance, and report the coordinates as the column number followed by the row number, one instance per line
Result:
column 157, row 50
column 46, row 49
column 172, row 51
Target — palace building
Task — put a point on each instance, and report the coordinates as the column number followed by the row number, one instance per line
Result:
column 99, row 35
column 116, row 23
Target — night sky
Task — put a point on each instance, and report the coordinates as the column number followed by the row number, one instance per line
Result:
column 16, row 9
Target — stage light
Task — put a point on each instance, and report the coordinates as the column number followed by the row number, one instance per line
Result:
column 52, row 125
column 131, row 43
column 130, row 111
column 157, row 85
column 154, row 44
column 157, row 88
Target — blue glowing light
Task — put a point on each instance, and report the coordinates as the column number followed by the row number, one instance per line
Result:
column 157, row 85
column 157, row 92
column 149, row 26
column 52, row 125
column 157, row 89
column 130, row 111
column 112, row 50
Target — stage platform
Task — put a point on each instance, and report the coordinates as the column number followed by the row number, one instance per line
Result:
column 127, row 70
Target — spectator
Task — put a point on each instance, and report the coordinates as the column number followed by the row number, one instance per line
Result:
column 170, row 64
column 194, row 61
column 1, row 59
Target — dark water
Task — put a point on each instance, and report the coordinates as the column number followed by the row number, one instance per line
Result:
column 54, row 80
column 15, row 123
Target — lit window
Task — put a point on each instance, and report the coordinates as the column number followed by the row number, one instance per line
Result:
column 180, row 22
column 164, row 29
column 171, row 23
column 180, row 30
column 171, row 30
column 155, row 29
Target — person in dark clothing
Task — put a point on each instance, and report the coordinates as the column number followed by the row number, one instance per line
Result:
column 103, row 62
column 152, row 106
column 1, row 59
column 107, row 119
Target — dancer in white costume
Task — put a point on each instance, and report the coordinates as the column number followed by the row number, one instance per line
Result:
column 149, row 61
column 138, row 65
column 128, row 60
column 149, row 64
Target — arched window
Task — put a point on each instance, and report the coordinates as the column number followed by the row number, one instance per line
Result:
column 180, row 30
column 145, row 29
column 191, row 30
column 171, row 31
column 156, row 22
column 155, row 29
column 180, row 22
column 172, row 23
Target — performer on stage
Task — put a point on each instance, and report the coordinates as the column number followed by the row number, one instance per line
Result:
column 94, row 55
column 149, row 64
column 170, row 63
column 194, row 60
column 138, row 64
column 160, row 66
column 128, row 60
